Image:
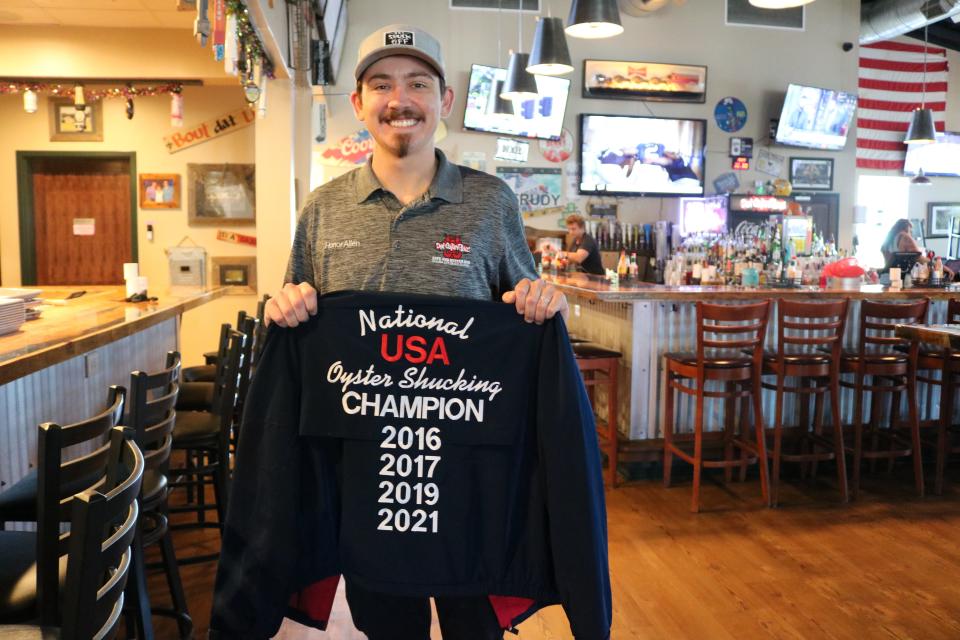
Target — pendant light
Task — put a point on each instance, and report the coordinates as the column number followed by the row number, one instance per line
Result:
column 30, row 101
column 594, row 19
column 921, row 129
column 519, row 85
column 921, row 179
column 779, row 4
column 500, row 104
column 549, row 55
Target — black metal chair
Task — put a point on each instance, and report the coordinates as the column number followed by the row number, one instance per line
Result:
column 99, row 552
column 151, row 416
column 204, row 437
column 31, row 564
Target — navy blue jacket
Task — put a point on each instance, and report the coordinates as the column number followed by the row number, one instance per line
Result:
column 420, row 446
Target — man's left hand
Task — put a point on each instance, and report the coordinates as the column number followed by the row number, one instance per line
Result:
column 537, row 300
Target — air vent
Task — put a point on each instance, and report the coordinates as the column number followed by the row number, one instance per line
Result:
column 493, row 5
column 741, row 13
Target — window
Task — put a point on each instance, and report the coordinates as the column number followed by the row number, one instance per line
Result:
column 886, row 200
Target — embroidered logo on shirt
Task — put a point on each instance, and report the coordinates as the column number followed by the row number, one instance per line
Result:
column 342, row 244
column 452, row 249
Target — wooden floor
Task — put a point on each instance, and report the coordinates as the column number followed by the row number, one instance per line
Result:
column 887, row 566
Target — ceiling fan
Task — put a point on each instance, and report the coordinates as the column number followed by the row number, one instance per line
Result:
column 643, row 8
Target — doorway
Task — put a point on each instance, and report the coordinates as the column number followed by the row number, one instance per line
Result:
column 77, row 216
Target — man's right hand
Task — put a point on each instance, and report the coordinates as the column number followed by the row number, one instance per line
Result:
column 294, row 304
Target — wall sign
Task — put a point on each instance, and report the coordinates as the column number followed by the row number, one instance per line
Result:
column 536, row 188
column 726, row 182
column 741, row 147
column 766, row 204
column 512, row 150
column 740, row 163
column 210, row 129
column 84, row 226
column 730, row 114
column 558, row 150
column 349, row 150
column 770, row 163
column 237, row 238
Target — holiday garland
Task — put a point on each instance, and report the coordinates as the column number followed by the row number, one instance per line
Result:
column 59, row 89
column 250, row 43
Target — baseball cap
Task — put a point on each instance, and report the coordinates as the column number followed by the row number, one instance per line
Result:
column 399, row 40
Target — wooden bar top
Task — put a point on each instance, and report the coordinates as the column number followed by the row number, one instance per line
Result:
column 598, row 288
column 68, row 328
column 940, row 335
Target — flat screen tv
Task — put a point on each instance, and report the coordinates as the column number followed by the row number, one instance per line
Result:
column 703, row 215
column 540, row 118
column 942, row 158
column 816, row 118
column 641, row 156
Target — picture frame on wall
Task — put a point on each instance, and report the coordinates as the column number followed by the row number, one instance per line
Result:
column 221, row 194
column 940, row 216
column 655, row 81
column 159, row 190
column 811, row 174
column 64, row 119
column 237, row 273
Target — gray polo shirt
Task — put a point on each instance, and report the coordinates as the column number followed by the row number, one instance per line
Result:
column 464, row 237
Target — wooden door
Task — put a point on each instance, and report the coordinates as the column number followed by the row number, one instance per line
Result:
column 71, row 198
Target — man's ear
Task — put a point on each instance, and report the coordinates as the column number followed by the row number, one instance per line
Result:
column 357, row 103
column 446, row 102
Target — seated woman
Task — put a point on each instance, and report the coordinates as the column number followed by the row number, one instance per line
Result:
column 900, row 240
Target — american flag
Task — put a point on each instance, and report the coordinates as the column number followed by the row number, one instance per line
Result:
column 891, row 87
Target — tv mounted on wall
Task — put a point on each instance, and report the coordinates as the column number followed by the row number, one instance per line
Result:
column 540, row 118
column 642, row 156
column 816, row 118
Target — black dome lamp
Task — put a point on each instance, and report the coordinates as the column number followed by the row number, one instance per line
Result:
column 549, row 55
column 921, row 129
column 519, row 85
column 594, row 19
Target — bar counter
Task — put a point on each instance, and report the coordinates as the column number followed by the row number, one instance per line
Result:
column 58, row 367
column 644, row 321
column 598, row 288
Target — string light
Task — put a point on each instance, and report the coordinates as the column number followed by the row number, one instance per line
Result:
column 90, row 95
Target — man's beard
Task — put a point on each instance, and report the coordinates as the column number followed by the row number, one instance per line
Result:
column 402, row 148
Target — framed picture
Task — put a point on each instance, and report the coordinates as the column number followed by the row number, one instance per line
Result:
column 159, row 190
column 939, row 218
column 660, row 82
column 64, row 121
column 237, row 273
column 811, row 174
column 221, row 194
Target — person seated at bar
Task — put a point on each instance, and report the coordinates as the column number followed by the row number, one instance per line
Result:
column 583, row 250
column 900, row 240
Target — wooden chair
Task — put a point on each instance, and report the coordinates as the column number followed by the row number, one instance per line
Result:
column 947, row 362
column 809, row 344
column 151, row 416
column 30, row 566
column 883, row 357
column 729, row 350
column 205, row 439
column 99, row 552
column 593, row 360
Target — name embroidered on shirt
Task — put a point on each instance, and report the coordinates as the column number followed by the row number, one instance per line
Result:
column 342, row 244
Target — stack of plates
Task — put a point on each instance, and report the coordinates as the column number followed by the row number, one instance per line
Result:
column 28, row 296
column 11, row 314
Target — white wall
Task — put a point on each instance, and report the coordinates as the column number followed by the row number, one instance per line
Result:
column 752, row 64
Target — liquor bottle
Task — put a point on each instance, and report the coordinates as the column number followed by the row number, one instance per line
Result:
column 635, row 268
column 622, row 265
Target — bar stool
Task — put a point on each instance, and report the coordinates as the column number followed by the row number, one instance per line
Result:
column 809, row 344
column 31, row 566
column 722, row 359
column 205, row 439
column 598, row 367
column 947, row 362
column 884, row 357
column 151, row 415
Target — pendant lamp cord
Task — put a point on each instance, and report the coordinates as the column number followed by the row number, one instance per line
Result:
column 519, row 26
column 923, row 95
column 499, row 29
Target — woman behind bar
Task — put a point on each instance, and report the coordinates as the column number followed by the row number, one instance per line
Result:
column 900, row 240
